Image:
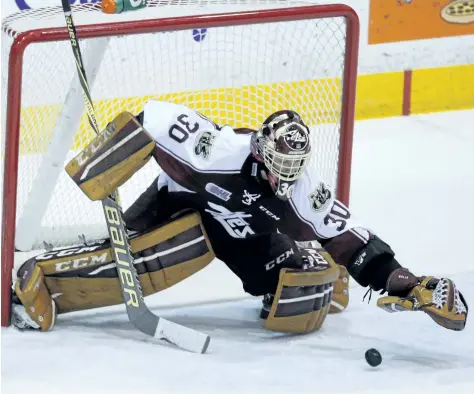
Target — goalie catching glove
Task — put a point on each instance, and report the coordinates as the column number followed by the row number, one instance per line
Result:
column 439, row 298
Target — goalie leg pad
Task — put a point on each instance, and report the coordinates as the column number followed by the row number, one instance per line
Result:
column 85, row 277
column 302, row 299
column 35, row 297
column 340, row 296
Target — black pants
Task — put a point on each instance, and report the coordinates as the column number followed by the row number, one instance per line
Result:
column 256, row 259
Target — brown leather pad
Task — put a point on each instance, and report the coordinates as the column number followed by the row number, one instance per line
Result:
column 302, row 299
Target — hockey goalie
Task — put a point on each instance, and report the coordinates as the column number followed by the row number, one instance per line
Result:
column 247, row 197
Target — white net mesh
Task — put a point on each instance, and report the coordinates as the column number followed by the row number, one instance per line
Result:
column 236, row 75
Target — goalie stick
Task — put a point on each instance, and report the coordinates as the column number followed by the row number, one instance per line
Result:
column 138, row 313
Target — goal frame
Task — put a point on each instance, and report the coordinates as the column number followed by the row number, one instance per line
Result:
column 15, row 74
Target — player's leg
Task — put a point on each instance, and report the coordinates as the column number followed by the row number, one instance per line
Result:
column 154, row 206
column 84, row 277
column 297, row 282
column 340, row 296
column 145, row 210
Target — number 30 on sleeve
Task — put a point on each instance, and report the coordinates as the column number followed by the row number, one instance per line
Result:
column 182, row 128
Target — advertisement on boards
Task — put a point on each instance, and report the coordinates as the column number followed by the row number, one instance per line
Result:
column 405, row 20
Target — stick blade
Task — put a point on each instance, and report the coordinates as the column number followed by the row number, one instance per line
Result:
column 184, row 337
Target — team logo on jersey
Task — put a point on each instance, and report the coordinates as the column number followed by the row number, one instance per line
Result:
column 203, row 144
column 218, row 191
column 295, row 138
column 248, row 198
column 320, row 198
column 233, row 222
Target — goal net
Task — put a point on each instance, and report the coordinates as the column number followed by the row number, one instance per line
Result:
column 235, row 61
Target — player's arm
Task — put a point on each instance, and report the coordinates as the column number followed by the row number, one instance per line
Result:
column 190, row 148
column 331, row 223
column 372, row 263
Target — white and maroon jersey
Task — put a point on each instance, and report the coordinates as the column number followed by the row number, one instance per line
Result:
column 210, row 168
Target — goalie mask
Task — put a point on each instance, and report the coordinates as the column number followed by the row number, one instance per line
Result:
column 283, row 145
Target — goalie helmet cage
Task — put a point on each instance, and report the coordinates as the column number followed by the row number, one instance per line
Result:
column 235, row 61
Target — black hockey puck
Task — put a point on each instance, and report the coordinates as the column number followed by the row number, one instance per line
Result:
column 373, row 357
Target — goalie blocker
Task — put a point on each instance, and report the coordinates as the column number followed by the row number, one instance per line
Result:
column 112, row 157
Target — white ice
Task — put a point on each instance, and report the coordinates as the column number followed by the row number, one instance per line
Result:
column 412, row 183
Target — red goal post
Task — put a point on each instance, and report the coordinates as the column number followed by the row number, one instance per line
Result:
column 343, row 107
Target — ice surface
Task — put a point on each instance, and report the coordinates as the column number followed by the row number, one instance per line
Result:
column 412, row 182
